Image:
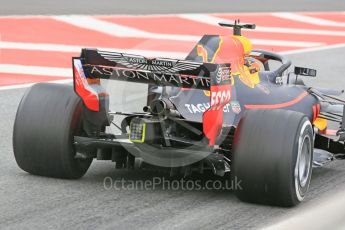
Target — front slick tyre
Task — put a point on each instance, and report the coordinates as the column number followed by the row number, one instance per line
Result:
column 48, row 117
column 273, row 157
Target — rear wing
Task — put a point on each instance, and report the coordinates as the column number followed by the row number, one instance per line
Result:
column 158, row 71
column 94, row 64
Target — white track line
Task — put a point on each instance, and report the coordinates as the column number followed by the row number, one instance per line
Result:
column 66, row 71
column 308, row 19
column 202, row 18
column 114, row 29
column 123, row 31
column 160, row 15
column 315, row 49
column 117, row 30
column 36, row 70
column 282, row 43
column 77, row 49
column 212, row 20
column 30, row 84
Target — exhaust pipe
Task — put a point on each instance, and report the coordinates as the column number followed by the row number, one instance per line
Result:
column 163, row 107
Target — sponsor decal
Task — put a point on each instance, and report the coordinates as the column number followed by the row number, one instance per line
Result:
column 236, row 107
column 223, row 74
column 203, row 107
column 144, row 76
column 134, row 60
column 220, row 97
column 162, row 63
column 154, row 65
column 149, row 62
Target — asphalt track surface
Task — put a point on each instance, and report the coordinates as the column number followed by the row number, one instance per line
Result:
column 31, row 202
column 35, row 7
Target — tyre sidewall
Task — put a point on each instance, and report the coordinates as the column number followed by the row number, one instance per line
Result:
column 48, row 117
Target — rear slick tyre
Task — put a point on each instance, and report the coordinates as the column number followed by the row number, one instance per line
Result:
column 48, row 117
column 273, row 157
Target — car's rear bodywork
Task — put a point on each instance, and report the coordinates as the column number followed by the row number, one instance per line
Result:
column 208, row 93
column 224, row 108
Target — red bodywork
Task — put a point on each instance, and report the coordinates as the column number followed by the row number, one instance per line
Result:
column 230, row 50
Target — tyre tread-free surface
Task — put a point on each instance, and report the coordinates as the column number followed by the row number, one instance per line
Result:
column 47, row 118
column 265, row 156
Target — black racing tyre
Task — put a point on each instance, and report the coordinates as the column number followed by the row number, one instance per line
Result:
column 48, row 117
column 273, row 154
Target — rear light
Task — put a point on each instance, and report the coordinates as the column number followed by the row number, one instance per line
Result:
column 137, row 130
column 82, row 87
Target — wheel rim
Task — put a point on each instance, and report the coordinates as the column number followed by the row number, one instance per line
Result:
column 303, row 163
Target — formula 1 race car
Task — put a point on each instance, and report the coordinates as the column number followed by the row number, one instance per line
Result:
column 225, row 108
